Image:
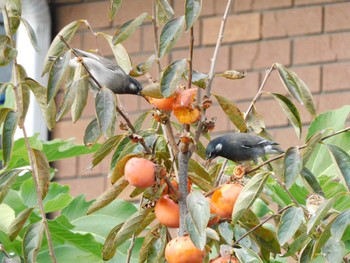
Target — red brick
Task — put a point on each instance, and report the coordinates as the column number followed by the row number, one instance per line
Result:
column 67, row 129
column 238, row 28
column 66, row 168
column 237, row 89
column 336, row 77
column 260, row 55
column 207, row 7
column 131, row 9
column 333, row 101
column 247, row 5
column 322, row 48
column 129, row 102
column 306, row 2
column 292, row 22
column 95, row 13
column 337, row 17
column 271, row 112
column 286, row 137
column 221, row 122
column 184, row 40
column 91, row 187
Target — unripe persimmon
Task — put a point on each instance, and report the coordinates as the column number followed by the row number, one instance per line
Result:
column 167, row 189
column 167, row 212
column 140, row 172
column 165, row 104
column 182, row 250
column 224, row 199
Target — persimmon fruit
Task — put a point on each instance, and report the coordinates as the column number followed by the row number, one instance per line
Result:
column 140, row 172
column 167, row 212
column 224, row 199
column 165, row 104
column 224, row 260
column 167, row 189
column 182, row 250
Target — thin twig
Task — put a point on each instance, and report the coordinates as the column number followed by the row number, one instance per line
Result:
column 189, row 81
column 258, row 94
column 261, row 223
column 221, row 172
column 156, row 43
column 132, row 244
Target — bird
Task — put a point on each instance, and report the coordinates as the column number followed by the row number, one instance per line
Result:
column 239, row 147
column 107, row 73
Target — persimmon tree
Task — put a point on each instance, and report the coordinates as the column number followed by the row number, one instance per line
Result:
column 291, row 206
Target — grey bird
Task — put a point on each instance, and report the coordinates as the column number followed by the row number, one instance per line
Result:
column 108, row 73
column 239, row 147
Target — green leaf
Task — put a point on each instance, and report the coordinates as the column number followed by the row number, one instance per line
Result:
column 109, row 247
column 323, row 238
column 340, row 224
column 81, row 97
column 297, row 244
column 249, row 193
column 114, row 6
column 290, row 110
column 108, row 196
column 76, row 208
column 57, row 47
column 153, row 245
column 192, row 11
column 171, row 77
column 7, row 52
column 42, row 171
column 246, row 255
column 290, row 222
column 232, row 74
column 312, row 181
column 8, row 132
column 333, row 250
column 200, row 182
column 199, row 170
column 17, row 224
column 68, row 100
column 232, row 111
column 23, row 94
column 40, row 93
column 322, row 211
column 109, row 145
column 306, row 252
column 57, row 75
column 7, row 215
column 226, row 231
column 289, row 82
column 128, row 28
column 342, row 159
column 58, row 203
column 197, row 219
column 292, row 166
column 7, row 179
column 170, row 34
column 311, row 145
column 199, row 79
column 14, row 11
column 152, row 90
column 32, row 241
column 105, row 105
column 164, row 11
column 31, row 34
column 92, row 133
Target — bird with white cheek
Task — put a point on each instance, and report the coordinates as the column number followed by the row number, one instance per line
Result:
column 239, row 147
column 107, row 73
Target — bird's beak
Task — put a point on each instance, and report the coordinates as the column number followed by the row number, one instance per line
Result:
column 207, row 164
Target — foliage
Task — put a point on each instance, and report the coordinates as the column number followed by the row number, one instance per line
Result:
column 310, row 185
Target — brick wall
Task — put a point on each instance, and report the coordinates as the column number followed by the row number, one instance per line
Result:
column 312, row 37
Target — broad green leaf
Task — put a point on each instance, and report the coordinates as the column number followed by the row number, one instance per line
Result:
column 249, row 193
column 31, row 34
column 199, row 211
column 232, row 74
column 199, row 170
column 14, row 11
column 119, row 236
column 199, row 79
column 153, row 246
column 7, row 52
column 57, row 203
column 246, row 255
column 23, row 94
column 164, row 11
column 297, row 244
column 289, row 82
column 306, row 252
column 255, row 121
column 8, row 132
column 311, row 145
column 128, row 28
column 232, row 111
column 57, row 47
column 120, row 53
column 192, row 11
column 7, row 215
column 322, row 211
column 239, row 232
column 290, row 110
column 292, row 166
column 152, row 90
column 92, row 133
column 81, row 97
column 198, row 238
column 68, row 100
column 226, row 230
column 7, row 179
column 57, row 75
column 108, row 196
column 323, row 238
column 290, row 222
column 333, row 250
column 342, row 159
column 40, row 93
column 105, row 105
column 140, row 120
column 42, row 171
column 200, row 182
column 118, row 170
column 114, row 6
column 32, row 241
column 171, row 77
column 76, row 208
column 340, row 224
column 170, row 34
column 109, row 145
column 311, row 181
column 212, row 234
column 17, row 224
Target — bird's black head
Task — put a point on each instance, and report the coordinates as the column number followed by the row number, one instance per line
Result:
column 213, row 149
column 135, row 87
